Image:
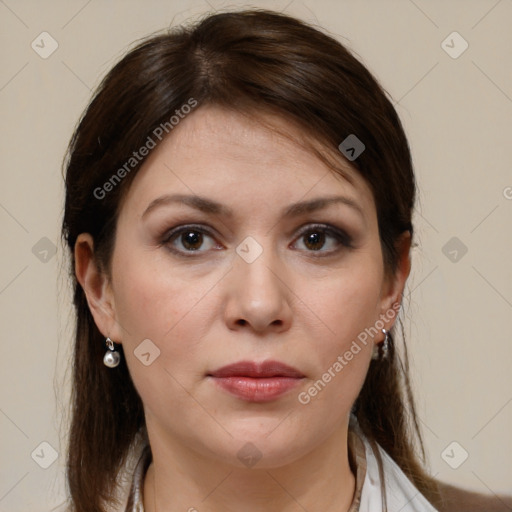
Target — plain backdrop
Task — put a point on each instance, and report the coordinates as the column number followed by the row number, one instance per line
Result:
column 456, row 106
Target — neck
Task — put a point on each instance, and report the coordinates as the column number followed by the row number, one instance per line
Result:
column 180, row 479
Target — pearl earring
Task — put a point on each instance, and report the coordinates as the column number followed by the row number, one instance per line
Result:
column 111, row 358
column 381, row 350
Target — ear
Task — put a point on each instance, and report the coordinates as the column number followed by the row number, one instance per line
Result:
column 97, row 288
column 394, row 283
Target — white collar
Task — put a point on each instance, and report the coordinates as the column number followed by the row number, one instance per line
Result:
column 401, row 494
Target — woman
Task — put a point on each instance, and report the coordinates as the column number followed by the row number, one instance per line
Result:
column 238, row 215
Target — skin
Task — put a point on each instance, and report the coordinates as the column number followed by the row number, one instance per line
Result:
column 214, row 308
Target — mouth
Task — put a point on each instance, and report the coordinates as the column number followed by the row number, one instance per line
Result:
column 257, row 382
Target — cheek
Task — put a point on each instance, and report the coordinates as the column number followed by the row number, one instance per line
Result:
column 351, row 303
column 153, row 299
column 154, row 302
column 349, row 308
column 163, row 309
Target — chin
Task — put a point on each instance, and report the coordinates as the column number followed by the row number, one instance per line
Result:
column 265, row 445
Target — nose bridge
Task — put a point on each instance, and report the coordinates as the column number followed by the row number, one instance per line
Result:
column 256, row 263
column 258, row 294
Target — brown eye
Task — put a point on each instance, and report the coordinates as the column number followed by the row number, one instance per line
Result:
column 189, row 239
column 192, row 240
column 316, row 238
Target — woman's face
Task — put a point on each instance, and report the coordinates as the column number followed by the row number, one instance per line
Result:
column 234, row 273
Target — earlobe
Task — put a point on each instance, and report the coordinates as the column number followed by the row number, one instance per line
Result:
column 96, row 286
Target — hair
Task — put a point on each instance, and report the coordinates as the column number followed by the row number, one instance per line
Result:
column 250, row 61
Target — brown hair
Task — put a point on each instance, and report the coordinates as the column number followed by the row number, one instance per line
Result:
column 244, row 60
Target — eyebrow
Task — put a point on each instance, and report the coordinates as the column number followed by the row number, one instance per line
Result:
column 214, row 208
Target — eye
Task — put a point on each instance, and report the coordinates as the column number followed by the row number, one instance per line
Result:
column 317, row 236
column 189, row 239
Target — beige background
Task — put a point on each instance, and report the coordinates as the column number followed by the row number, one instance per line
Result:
column 458, row 115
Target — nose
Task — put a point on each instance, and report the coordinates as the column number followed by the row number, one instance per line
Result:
column 258, row 295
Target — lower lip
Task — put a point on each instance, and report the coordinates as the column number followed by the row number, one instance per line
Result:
column 257, row 389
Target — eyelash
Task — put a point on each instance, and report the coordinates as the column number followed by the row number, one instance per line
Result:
column 342, row 237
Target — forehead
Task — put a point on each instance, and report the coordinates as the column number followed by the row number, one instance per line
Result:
column 241, row 136
column 227, row 155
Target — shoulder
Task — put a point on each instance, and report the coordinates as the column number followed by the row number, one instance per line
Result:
column 401, row 494
column 456, row 499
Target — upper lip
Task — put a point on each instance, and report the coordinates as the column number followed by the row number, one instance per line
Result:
column 255, row 370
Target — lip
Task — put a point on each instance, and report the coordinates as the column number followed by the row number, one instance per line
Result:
column 257, row 382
